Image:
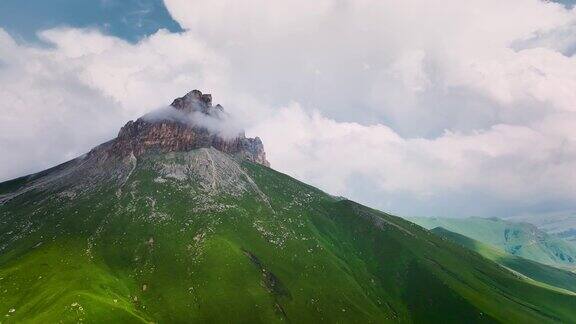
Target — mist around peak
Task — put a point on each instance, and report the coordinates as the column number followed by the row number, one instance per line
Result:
column 196, row 110
column 221, row 124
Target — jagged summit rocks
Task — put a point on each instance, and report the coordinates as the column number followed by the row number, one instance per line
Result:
column 164, row 133
column 196, row 101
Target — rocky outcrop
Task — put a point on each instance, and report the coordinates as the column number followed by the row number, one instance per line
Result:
column 184, row 132
column 195, row 101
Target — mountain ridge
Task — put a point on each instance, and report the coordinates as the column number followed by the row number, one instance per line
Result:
column 517, row 238
column 537, row 271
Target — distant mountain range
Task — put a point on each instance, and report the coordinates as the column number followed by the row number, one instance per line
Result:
column 560, row 224
column 520, row 239
column 537, row 271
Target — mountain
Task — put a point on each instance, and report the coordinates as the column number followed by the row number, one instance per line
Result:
column 537, row 271
column 520, row 239
column 561, row 224
column 176, row 221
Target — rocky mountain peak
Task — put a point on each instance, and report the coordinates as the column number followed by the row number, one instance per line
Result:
column 190, row 122
column 196, row 101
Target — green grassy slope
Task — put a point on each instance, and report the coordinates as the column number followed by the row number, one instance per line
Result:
column 521, row 239
column 531, row 269
column 215, row 241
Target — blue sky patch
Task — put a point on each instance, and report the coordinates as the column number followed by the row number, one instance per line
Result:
column 128, row 19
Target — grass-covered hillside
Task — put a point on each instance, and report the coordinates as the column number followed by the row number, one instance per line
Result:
column 200, row 236
column 520, row 239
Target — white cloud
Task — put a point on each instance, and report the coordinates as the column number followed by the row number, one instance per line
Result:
column 57, row 102
column 449, row 47
column 513, row 162
column 425, row 99
column 148, row 74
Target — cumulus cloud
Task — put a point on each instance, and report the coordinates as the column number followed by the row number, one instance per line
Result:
column 59, row 101
column 397, row 62
column 517, row 165
column 47, row 115
column 425, row 107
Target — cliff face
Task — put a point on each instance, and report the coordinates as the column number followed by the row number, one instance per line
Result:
column 166, row 133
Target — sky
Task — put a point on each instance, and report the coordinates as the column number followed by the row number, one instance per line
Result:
column 128, row 19
column 416, row 107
